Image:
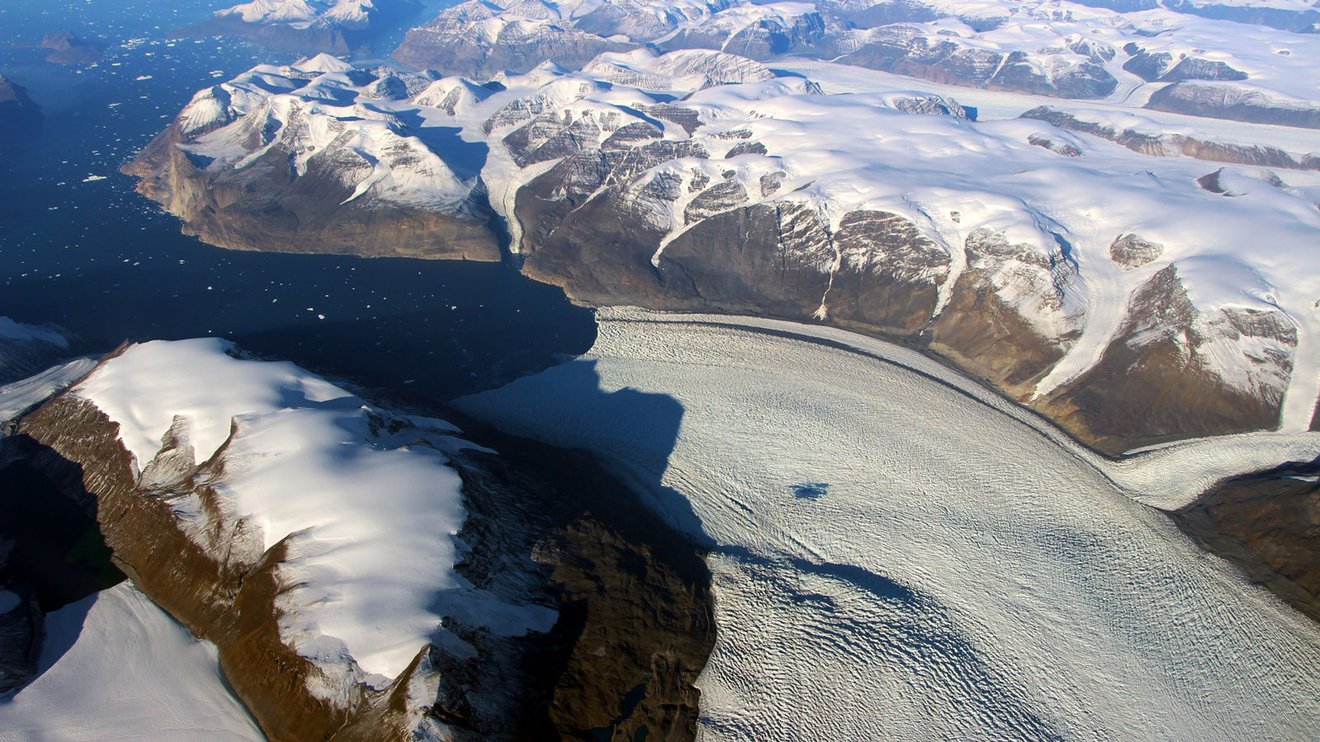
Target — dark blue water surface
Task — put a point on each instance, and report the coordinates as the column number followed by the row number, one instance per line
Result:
column 79, row 248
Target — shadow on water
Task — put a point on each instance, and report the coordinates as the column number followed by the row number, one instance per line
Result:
column 648, row 422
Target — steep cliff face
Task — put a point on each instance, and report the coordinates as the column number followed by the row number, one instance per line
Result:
column 1074, row 71
column 205, row 569
column 1145, row 137
column 367, row 575
column 248, row 168
column 1174, row 369
column 702, row 180
column 475, row 39
column 1269, row 525
column 1235, row 102
column 1013, row 312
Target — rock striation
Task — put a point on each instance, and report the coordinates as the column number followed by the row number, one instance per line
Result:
column 264, row 163
column 1146, row 138
column 702, row 180
column 615, row 602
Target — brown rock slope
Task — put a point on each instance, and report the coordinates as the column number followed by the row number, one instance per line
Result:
column 634, row 624
column 1269, row 526
column 1152, row 383
column 265, row 207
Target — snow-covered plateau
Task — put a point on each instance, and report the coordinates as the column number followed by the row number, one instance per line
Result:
column 1067, row 266
column 312, row 536
column 300, row 14
column 362, row 573
column 899, row 555
column 309, row 26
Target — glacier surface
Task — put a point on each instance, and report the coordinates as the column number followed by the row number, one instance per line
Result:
column 966, row 573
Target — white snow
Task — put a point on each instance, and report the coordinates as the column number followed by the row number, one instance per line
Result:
column 272, row 11
column 114, row 666
column 968, row 574
column 17, row 397
column 367, row 519
column 856, row 150
column 322, row 62
column 365, row 146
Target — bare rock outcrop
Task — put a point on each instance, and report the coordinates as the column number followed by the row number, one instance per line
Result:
column 1269, row 526
column 1173, row 145
column 1155, row 381
column 1225, row 101
column 542, row 527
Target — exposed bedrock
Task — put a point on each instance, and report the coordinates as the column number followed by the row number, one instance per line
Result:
column 909, row 51
column 453, row 44
column 1269, row 526
column 1154, row 381
column 228, row 604
column 263, row 206
column 543, row 526
column 773, row 258
column 1226, row 101
column 1172, row 145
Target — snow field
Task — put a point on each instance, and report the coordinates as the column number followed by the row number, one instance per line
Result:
column 368, row 517
column 964, row 574
column 114, row 666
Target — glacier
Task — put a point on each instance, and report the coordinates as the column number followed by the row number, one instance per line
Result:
column 967, row 572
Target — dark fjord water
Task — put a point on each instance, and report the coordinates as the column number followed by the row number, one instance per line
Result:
column 79, row 248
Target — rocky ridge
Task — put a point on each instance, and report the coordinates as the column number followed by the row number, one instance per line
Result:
column 189, row 537
column 273, row 160
column 1146, row 138
column 730, row 213
column 1091, row 50
column 734, row 193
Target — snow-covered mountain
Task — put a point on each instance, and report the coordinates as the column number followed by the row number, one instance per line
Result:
column 308, row 25
column 1110, row 278
column 361, row 572
column 1052, row 264
column 315, row 157
column 1121, row 51
column 351, row 14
